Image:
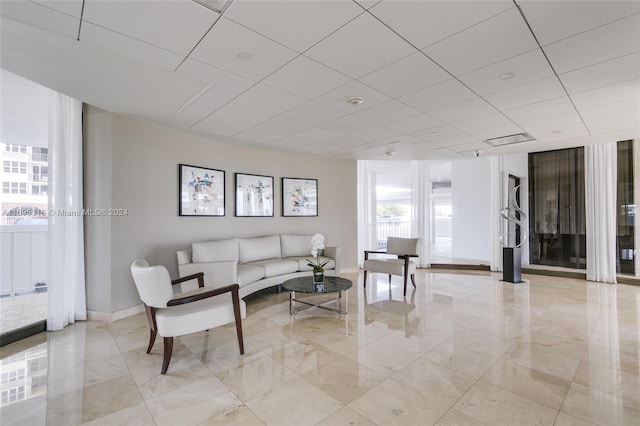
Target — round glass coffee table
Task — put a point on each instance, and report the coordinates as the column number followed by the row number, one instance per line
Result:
column 306, row 285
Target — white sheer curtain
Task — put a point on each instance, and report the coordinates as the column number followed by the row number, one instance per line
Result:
column 66, row 287
column 600, row 205
column 366, row 210
column 421, row 210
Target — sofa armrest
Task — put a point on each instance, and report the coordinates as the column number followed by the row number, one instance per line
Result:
column 333, row 253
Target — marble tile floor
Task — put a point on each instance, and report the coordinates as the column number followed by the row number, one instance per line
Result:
column 463, row 349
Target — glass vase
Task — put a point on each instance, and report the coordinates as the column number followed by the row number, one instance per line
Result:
column 318, row 277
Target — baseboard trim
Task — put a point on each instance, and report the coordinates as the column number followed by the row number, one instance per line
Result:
column 555, row 273
column 115, row 316
column 460, row 267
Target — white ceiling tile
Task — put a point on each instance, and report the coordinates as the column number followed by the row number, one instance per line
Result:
column 495, row 119
column 312, row 113
column 70, row 7
column 561, row 131
column 38, row 16
column 312, row 136
column 272, row 129
column 424, row 23
column 544, row 127
column 337, row 99
column 436, row 133
column 349, row 124
column 414, row 123
column 611, row 109
column 464, row 110
column 265, row 98
column 607, row 94
column 241, row 51
column 560, row 105
column 295, row 24
column 195, row 110
column 468, row 147
column 616, row 122
column 73, row 68
column 375, row 133
column 306, row 77
column 453, row 140
column 496, row 132
column 231, row 119
column 360, row 47
column 387, row 112
column 538, row 91
column 598, row 45
column 438, row 96
column 129, row 47
column 159, row 23
column 555, row 20
column 342, row 142
column 496, row 39
column 407, row 75
column 603, row 74
column 224, row 85
column 526, row 68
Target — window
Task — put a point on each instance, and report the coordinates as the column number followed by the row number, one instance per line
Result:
column 40, row 174
column 14, row 166
column 14, row 187
column 39, row 154
column 6, row 187
column 557, row 208
column 39, row 189
column 15, row 148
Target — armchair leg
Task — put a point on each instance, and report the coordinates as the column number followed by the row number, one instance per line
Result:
column 238, row 317
column 168, row 349
column 152, row 339
column 405, row 285
column 413, row 280
column 389, row 279
column 365, row 279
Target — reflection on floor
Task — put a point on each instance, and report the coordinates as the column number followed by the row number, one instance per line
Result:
column 464, row 348
column 19, row 311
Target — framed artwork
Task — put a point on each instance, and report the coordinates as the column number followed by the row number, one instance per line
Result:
column 254, row 195
column 201, row 191
column 299, row 197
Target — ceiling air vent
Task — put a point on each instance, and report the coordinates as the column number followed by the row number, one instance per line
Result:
column 510, row 140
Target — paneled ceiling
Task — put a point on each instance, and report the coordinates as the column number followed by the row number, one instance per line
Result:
column 437, row 78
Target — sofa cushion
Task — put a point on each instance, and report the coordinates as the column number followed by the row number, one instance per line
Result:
column 295, row 245
column 260, row 248
column 215, row 251
column 248, row 274
column 303, row 262
column 274, row 267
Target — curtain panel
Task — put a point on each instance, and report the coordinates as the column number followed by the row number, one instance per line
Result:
column 65, row 239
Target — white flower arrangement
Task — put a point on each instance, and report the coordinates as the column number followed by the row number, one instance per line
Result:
column 317, row 243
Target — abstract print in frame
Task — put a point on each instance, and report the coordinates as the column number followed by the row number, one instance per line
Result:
column 254, row 195
column 201, row 191
column 299, row 197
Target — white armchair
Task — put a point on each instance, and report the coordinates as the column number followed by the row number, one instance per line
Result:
column 172, row 315
column 404, row 249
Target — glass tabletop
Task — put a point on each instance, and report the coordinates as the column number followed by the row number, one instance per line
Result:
column 306, row 285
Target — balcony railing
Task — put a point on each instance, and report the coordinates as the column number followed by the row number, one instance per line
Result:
column 23, row 260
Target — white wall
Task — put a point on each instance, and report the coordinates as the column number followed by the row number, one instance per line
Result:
column 471, row 204
column 144, row 180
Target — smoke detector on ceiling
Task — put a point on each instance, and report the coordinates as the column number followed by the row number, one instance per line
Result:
column 355, row 100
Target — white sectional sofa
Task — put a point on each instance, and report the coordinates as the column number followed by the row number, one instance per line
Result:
column 254, row 263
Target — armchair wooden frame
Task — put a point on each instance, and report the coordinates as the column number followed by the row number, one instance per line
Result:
column 405, row 257
column 168, row 341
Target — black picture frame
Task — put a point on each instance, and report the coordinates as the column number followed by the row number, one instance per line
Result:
column 201, row 191
column 299, row 197
column 254, row 195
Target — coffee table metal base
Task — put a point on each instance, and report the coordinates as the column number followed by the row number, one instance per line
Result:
column 293, row 300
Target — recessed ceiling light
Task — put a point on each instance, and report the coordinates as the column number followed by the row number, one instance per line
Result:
column 506, row 76
column 245, row 56
column 435, row 133
column 556, row 132
column 355, row 100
